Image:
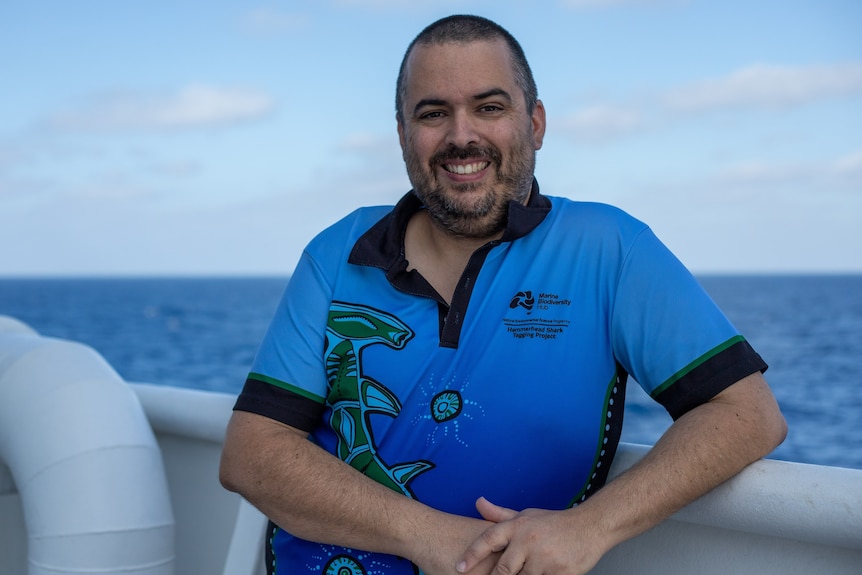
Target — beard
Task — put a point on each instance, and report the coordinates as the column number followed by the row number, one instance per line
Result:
column 453, row 206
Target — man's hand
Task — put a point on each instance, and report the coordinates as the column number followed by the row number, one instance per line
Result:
column 318, row 497
column 439, row 553
column 534, row 541
column 703, row 448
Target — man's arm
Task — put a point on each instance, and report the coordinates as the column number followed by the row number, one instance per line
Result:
column 315, row 496
column 702, row 449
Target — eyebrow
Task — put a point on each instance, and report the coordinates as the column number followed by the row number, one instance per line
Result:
column 493, row 92
column 481, row 96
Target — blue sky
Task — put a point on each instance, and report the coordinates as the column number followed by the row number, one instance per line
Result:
column 217, row 137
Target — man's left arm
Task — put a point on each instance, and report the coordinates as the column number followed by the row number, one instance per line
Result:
column 703, row 448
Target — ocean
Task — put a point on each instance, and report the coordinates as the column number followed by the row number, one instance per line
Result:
column 202, row 333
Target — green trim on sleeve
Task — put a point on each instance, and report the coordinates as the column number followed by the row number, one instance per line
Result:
column 694, row 364
column 288, row 387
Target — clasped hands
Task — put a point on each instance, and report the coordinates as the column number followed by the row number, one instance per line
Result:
column 533, row 542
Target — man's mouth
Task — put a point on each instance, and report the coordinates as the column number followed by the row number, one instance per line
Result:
column 466, row 169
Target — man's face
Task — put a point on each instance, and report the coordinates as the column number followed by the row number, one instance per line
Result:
column 468, row 141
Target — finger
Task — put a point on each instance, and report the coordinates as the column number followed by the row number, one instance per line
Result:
column 493, row 512
column 511, row 562
column 492, row 540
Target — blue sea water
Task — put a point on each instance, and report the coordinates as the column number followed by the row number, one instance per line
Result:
column 202, row 333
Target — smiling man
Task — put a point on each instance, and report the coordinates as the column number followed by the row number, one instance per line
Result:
column 442, row 386
column 469, row 144
column 470, row 138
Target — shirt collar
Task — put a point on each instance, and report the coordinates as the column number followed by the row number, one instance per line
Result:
column 382, row 246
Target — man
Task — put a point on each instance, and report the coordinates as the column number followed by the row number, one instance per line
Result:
column 459, row 361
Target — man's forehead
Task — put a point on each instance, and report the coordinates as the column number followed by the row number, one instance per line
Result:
column 476, row 62
column 495, row 48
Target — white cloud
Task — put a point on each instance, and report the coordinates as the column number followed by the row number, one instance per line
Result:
column 373, row 144
column 407, row 4
column 15, row 189
column 763, row 173
column 377, row 3
column 377, row 176
column 849, row 165
column 176, row 169
column 100, row 193
column 768, row 86
column 580, row 4
column 841, row 174
column 191, row 107
column 758, row 216
column 11, row 156
column 846, row 173
column 268, row 20
column 602, row 122
column 756, row 86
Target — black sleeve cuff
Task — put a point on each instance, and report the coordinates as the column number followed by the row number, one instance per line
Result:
column 279, row 404
column 710, row 378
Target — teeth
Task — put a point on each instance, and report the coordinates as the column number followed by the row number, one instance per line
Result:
column 467, row 169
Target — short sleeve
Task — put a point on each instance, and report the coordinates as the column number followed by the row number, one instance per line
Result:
column 287, row 380
column 670, row 335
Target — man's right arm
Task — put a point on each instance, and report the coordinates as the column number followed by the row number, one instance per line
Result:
column 315, row 496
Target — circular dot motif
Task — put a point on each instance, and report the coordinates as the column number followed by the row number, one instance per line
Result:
column 446, row 405
column 343, row 565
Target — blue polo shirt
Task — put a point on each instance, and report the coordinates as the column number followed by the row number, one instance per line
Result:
column 515, row 391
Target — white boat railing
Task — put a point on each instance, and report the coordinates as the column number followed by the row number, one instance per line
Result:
column 774, row 518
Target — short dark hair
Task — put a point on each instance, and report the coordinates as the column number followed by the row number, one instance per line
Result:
column 462, row 29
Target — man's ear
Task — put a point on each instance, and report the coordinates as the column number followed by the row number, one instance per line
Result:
column 400, row 132
column 538, row 121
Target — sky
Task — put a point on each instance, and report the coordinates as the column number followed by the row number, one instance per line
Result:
column 202, row 138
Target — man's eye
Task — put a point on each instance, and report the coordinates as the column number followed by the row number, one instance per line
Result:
column 490, row 108
column 431, row 115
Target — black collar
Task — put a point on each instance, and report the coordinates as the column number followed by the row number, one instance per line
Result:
column 382, row 246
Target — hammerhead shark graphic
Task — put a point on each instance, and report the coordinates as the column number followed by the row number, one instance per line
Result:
column 353, row 396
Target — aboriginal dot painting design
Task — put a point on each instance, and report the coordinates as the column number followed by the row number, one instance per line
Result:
column 449, row 409
column 612, row 422
column 333, row 560
column 446, row 405
column 343, row 565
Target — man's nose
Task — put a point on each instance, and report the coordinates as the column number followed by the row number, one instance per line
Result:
column 462, row 130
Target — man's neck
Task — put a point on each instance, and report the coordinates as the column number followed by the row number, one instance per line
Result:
column 437, row 254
